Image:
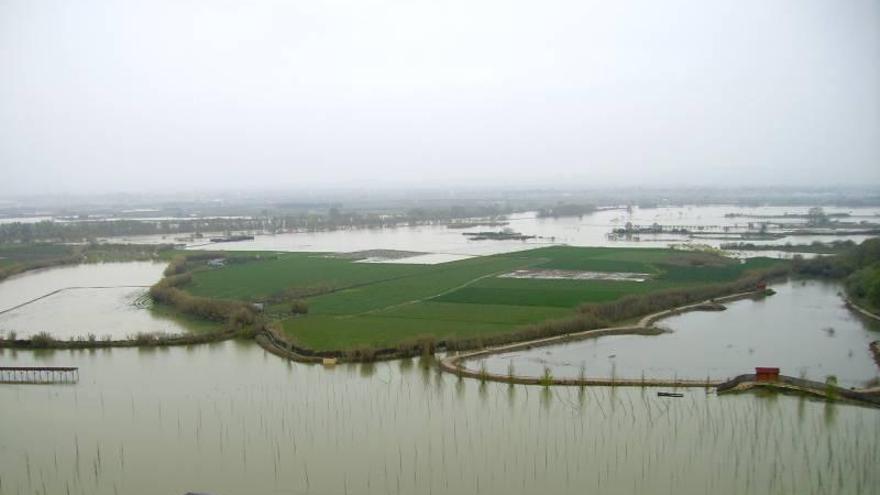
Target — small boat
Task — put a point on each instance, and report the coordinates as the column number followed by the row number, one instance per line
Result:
column 669, row 394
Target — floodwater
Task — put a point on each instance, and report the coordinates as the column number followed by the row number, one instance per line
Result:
column 229, row 418
column 589, row 230
column 106, row 299
column 420, row 259
column 804, row 329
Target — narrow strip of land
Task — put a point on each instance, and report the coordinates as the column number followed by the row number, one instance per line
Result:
column 858, row 309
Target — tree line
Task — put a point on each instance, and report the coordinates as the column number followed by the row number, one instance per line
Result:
column 332, row 219
column 858, row 267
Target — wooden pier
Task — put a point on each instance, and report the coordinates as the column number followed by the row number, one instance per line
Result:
column 39, row 374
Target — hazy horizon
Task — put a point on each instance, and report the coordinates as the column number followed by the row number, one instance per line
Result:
column 104, row 96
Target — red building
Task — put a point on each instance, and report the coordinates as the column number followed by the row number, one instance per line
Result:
column 765, row 374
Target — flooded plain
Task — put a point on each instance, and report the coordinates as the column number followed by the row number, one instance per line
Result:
column 588, row 230
column 229, row 418
column 104, row 299
column 804, row 329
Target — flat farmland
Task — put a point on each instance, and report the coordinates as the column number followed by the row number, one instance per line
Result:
column 352, row 305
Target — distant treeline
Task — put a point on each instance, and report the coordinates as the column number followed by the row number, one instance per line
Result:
column 566, row 210
column 18, row 258
column 815, row 247
column 332, row 219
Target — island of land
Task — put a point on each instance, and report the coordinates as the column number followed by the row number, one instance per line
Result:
column 335, row 306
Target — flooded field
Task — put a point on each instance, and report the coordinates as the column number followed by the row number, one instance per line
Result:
column 804, row 329
column 422, row 259
column 108, row 299
column 228, row 418
column 589, row 230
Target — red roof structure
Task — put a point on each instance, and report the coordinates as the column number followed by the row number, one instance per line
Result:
column 766, row 374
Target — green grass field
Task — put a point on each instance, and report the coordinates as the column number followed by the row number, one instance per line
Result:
column 369, row 304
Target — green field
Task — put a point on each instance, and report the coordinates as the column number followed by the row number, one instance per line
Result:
column 380, row 305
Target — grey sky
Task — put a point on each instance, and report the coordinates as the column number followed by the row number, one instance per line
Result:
column 122, row 95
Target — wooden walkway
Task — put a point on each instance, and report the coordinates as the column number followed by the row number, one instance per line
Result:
column 39, row 374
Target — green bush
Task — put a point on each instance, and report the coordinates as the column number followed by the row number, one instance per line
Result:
column 299, row 307
column 146, row 338
column 42, row 340
column 364, row 354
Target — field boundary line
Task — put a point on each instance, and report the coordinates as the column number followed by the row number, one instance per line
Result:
column 443, row 293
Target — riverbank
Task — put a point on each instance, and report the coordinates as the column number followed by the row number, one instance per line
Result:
column 861, row 310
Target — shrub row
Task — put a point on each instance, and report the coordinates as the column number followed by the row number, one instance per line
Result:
column 166, row 291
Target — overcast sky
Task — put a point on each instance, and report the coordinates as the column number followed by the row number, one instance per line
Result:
column 119, row 95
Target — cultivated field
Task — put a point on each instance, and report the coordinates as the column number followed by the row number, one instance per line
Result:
column 353, row 305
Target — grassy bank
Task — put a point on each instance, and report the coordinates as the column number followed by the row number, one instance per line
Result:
column 328, row 304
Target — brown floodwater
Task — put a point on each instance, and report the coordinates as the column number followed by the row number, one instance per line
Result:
column 106, row 300
column 228, row 418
